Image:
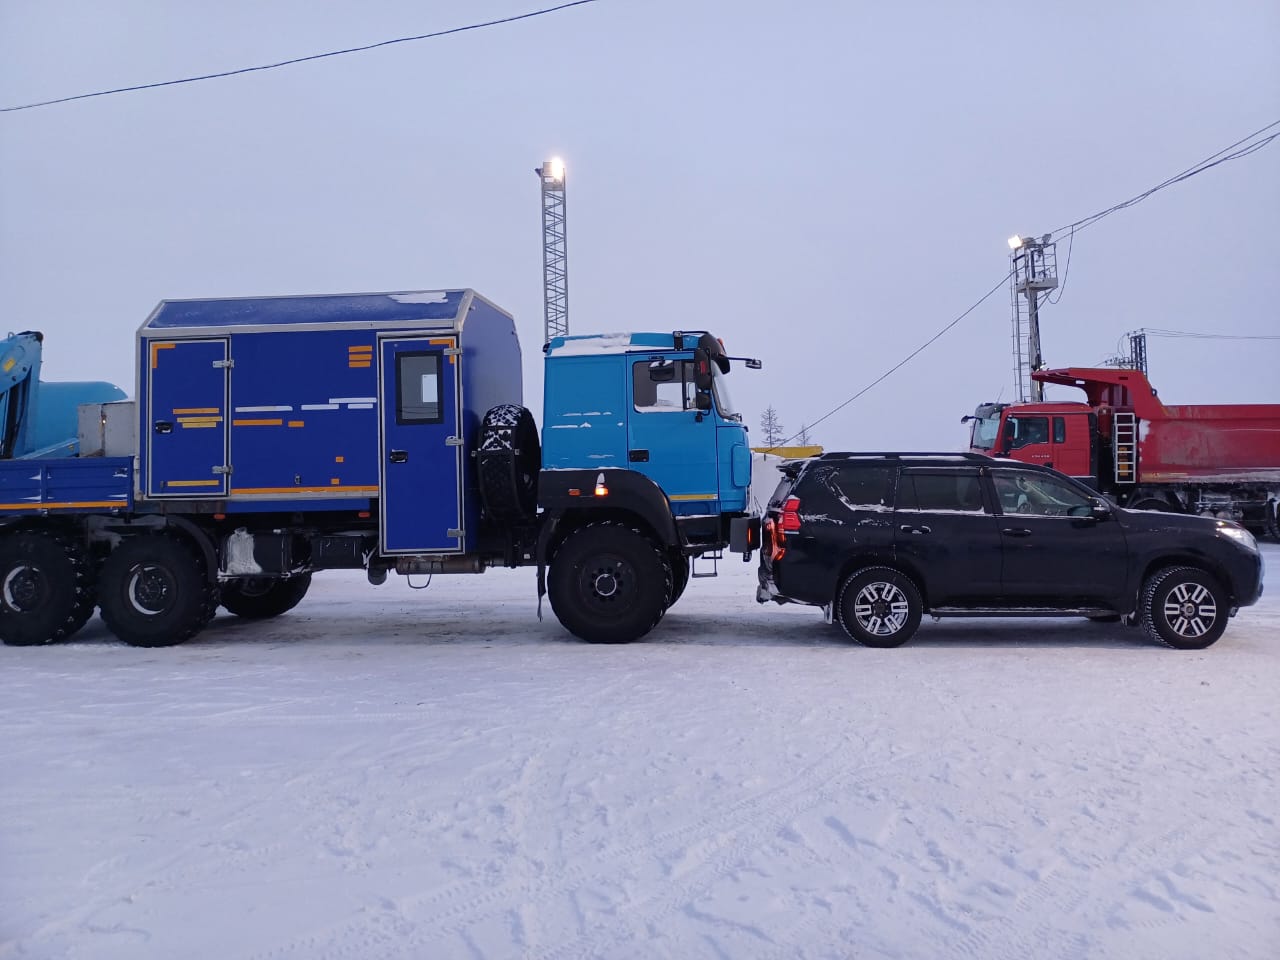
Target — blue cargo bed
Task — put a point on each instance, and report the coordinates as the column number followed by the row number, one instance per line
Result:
column 88, row 485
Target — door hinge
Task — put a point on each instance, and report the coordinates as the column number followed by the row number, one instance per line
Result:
column 453, row 352
column 455, row 532
column 223, row 364
column 223, row 469
column 453, row 442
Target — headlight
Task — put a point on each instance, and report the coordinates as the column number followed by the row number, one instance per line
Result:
column 1241, row 536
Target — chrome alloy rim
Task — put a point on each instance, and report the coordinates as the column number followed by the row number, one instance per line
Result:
column 881, row 609
column 1190, row 610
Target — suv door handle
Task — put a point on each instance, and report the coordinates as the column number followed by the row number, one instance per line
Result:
column 908, row 528
column 1016, row 532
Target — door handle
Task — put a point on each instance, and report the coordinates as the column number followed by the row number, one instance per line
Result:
column 638, row 456
column 1016, row 532
column 908, row 528
column 164, row 426
column 399, row 456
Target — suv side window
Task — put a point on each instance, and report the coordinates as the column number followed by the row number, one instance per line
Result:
column 1022, row 491
column 952, row 490
column 862, row 486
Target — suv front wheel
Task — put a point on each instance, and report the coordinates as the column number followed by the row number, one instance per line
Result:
column 1183, row 608
column 879, row 607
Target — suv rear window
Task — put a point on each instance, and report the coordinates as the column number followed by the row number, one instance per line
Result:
column 940, row 491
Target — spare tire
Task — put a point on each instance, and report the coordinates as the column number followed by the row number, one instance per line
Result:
column 508, row 459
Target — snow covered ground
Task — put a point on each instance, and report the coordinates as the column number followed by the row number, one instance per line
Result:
column 436, row 774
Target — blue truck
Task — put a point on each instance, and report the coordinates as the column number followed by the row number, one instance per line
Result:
column 275, row 437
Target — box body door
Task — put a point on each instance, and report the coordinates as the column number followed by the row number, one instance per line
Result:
column 186, row 429
column 421, row 450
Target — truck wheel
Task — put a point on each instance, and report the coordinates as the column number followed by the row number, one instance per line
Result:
column 1272, row 522
column 46, row 590
column 1183, row 608
column 608, row 583
column 879, row 607
column 680, row 567
column 153, row 591
column 259, row 598
column 508, row 459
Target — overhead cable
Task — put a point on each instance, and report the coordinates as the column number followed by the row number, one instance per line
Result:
column 286, row 63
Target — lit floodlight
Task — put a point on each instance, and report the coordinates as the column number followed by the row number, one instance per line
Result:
column 1015, row 242
column 553, row 169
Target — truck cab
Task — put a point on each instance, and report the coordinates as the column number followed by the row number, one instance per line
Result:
column 657, row 405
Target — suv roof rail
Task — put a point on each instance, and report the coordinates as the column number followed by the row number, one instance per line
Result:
column 908, row 455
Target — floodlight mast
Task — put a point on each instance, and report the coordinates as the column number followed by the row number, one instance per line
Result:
column 555, row 254
column 1033, row 271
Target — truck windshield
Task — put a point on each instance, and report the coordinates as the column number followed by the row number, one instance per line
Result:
column 986, row 431
column 724, row 400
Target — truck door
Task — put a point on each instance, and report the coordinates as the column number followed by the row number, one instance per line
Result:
column 420, row 446
column 667, row 440
column 1073, row 446
column 186, row 436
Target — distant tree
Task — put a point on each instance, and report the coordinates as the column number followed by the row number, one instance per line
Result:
column 802, row 438
column 774, row 431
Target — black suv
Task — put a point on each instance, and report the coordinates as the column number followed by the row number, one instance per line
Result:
column 878, row 539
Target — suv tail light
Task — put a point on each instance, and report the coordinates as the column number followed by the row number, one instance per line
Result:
column 790, row 520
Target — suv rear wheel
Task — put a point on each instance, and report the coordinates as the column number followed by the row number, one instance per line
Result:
column 1183, row 608
column 879, row 607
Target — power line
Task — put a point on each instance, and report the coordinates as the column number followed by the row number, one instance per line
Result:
column 1247, row 146
column 287, row 63
column 901, row 363
column 1224, row 155
column 1155, row 332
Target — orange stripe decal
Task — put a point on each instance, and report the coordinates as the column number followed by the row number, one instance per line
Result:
column 257, row 423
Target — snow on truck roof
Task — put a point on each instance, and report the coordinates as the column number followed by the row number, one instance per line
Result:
column 593, row 345
column 413, row 306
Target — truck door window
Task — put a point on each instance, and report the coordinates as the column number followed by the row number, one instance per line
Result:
column 1059, row 429
column 1029, row 430
column 419, row 397
column 1038, row 494
column 662, row 387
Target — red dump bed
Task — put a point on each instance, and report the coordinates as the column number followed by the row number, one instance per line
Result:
column 1205, row 442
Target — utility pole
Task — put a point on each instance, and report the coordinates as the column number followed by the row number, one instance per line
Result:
column 555, row 254
column 1138, row 350
column 1033, row 270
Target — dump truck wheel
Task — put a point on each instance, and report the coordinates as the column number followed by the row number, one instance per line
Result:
column 1183, row 608
column 508, row 459
column 260, row 598
column 879, row 607
column 608, row 583
column 46, row 590
column 153, row 591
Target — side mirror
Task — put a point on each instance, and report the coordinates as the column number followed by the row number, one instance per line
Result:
column 702, row 370
column 702, row 401
column 662, row 371
column 1099, row 509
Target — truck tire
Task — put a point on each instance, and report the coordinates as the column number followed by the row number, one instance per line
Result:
column 508, row 459
column 260, row 598
column 608, row 583
column 46, row 588
column 153, row 591
column 879, row 607
column 1272, row 521
column 680, row 569
column 1184, row 608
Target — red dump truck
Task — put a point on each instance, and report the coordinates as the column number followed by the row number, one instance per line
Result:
column 1219, row 460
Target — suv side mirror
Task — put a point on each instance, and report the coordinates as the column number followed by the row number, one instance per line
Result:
column 1099, row 509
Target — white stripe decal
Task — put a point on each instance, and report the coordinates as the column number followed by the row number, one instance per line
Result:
column 282, row 409
column 360, row 406
column 353, row 399
column 319, row 406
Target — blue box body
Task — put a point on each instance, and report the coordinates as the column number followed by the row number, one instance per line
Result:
column 286, row 404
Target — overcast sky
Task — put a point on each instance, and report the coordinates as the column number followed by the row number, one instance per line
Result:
column 823, row 184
